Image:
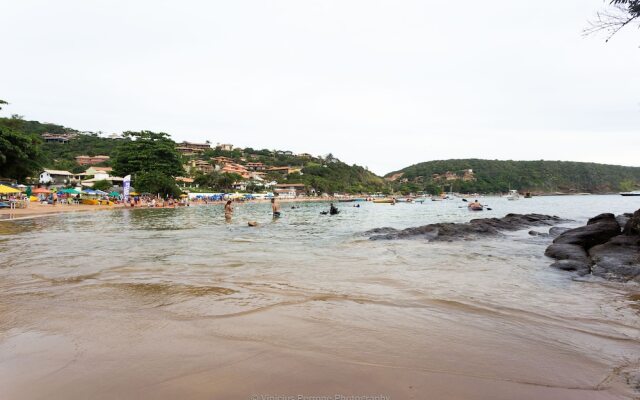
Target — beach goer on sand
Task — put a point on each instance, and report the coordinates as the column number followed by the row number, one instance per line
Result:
column 54, row 198
column 275, row 207
column 228, row 211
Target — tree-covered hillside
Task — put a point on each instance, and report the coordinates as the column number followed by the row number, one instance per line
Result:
column 323, row 174
column 491, row 176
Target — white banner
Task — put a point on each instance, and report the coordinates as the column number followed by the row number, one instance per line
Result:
column 126, row 185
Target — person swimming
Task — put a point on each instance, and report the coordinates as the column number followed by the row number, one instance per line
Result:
column 333, row 210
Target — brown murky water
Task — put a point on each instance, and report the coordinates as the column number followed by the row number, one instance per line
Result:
column 165, row 304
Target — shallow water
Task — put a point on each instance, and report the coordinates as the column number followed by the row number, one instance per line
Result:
column 169, row 303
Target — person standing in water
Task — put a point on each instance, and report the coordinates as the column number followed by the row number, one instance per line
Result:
column 228, row 211
column 275, row 207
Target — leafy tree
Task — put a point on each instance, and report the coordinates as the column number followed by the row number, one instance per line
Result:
column 209, row 180
column 20, row 154
column 2, row 102
column 103, row 185
column 227, row 180
column 156, row 182
column 147, row 152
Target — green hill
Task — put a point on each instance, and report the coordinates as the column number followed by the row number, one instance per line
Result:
column 324, row 174
column 492, row 176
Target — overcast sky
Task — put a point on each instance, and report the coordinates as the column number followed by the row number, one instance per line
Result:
column 383, row 84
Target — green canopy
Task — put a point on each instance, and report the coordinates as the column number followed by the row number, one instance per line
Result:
column 114, row 194
column 70, row 191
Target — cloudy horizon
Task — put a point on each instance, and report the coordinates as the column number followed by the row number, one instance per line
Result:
column 377, row 83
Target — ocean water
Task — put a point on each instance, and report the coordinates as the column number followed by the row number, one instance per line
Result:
column 178, row 303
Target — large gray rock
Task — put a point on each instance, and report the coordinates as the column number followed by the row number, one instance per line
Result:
column 623, row 219
column 597, row 231
column 632, row 227
column 618, row 259
column 475, row 228
column 556, row 231
column 572, row 265
column 561, row 251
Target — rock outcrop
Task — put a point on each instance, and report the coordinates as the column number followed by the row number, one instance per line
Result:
column 608, row 247
column 474, row 228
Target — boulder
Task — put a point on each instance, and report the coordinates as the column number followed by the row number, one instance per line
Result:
column 618, row 259
column 572, row 265
column 561, row 251
column 556, row 231
column 632, row 227
column 623, row 219
column 540, row 234
column 597, row 231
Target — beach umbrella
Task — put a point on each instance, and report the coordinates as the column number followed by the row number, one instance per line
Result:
column 100, row 193
column 70, row 191
column 41, row 190
column 7, row 189
column 89, row 191
column 114, row 194
column 183, row 195
column 134, row 194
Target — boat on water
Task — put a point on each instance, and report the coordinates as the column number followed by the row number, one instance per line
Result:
column 475, row 207
column 634, row 193
column 513, row 195
column 383, row 201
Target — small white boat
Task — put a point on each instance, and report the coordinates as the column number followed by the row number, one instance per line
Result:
column 513, row 195
column 634, row 193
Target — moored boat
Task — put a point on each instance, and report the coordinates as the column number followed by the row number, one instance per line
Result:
column 634, row 193
column 513, row 195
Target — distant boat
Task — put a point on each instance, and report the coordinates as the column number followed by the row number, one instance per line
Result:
column 383, row 201
column 475, row 207
column 527, row 195
column 634, row 193
column 513, row 195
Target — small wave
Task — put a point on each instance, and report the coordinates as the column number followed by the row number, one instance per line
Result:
column 67, row 279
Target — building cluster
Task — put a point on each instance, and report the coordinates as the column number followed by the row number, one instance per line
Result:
column 251, row 172
column 464, row 175
column 91, row 160
column 86, row 178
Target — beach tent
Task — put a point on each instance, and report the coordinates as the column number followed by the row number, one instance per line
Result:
column 89, row 192
column 7, row 189
column 70, row 191
column 100, row 193
column 41, row 190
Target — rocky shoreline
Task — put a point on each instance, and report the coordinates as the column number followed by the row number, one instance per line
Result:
column 473, row 229
column 608, row 247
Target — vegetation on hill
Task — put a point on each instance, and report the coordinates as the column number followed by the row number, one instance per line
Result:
column 20, row 153
column 493, row 176
column 152, row 158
